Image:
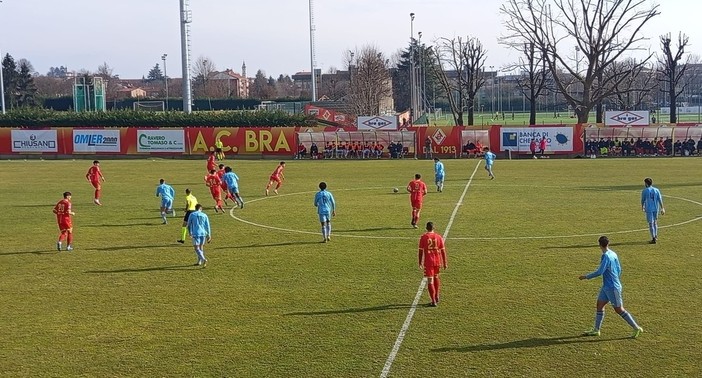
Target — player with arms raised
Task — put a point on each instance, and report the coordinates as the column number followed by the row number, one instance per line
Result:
column 276, row 177
column 63, row 218
column 417, row 189
column 95, row 177
column 215, row 184
column 432, row 257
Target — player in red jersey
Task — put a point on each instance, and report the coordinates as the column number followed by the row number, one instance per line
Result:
column 211, row 162
column 215, row 184
column 276, row 177
column 63, row 218
column 432, row 257
column 95, row 177
column 417, row 189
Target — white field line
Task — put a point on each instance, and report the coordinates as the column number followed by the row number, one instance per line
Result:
column 420, row 290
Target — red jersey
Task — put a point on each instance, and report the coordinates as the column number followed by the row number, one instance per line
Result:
column 278, row 171
column 211, row 163
column 532, row 146
column 542, row 144
column 63, row 208
column 219, row 174
column 94, row 174
column 417, row 189
column 213, row 181
column 432, row 252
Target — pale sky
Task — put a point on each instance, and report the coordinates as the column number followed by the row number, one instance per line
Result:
column 271, row 35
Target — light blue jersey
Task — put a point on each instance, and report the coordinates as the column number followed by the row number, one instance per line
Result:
column 167, row 195
column 651, row 200
column 324, row 201
column 199, row 224
column 610, row 270
column 232, row 181
column 489, row 158
column 439, row 171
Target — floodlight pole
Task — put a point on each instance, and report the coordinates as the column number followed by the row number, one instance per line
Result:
column 413, row 101
column 312, row 74
column 165, row 77
column 185, row 20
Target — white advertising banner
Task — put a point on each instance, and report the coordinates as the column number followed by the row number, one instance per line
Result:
column 377, row 123
column 160, row 141
column 34, row 141
column 626, row 118
column 96, row 140
column 558, row 139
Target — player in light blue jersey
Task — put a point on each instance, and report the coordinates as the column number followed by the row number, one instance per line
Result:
column 439, row 174
column 611, row 291
column 326, row 209
column 652, row 204
column 200, row 232
column 167, row 195
column 489, row 159
column 232, row 181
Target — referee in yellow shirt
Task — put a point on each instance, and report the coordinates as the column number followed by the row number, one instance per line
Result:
column 219, row 149
column 190, row 203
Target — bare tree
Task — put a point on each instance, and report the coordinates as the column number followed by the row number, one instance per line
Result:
column 202, row 69
column 672, row 70
column 602, row 30
column 370, row 88
column 533, row 82
column 334, row 85
column 110, row 79
column 460, row 73
column 633, row 91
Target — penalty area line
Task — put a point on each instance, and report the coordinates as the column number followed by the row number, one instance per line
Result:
column 422, row 284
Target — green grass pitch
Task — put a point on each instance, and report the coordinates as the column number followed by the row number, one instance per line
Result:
column 274, row 302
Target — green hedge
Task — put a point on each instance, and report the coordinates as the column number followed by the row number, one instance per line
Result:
column 122, row 118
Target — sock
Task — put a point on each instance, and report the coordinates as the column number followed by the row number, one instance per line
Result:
column 328, row 227
column 268, row 186
column 69, row 238
column 62, row 235
column 414, row 216
column 239, row 200
column 183, row 232
column 599, row 317
column 436, row 287
column 163, row 215
column 655, row 229
column 432, row 292
column 324, row 232
column 200, row 254
column 651, row 230
column 219, row 203
column 97, row 194
column 629, row 319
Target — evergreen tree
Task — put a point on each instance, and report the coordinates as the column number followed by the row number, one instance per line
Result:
column 155, row 74
column 26, row 88
column 9, row 80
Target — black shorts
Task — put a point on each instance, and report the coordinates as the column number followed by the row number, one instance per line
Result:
column 187, row 215
column 218, row 150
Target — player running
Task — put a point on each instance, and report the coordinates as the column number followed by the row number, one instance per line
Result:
column 432, row 257
column 276, row 177
column 95, row 177
column 215, row 184
column 489, row 159
column 439, row 175
column 199, row 230
column 190, row 202
column 211, row 163
column 232, row 181
column 417, row 190
column 326, row 209
column 225, row 190
column 65, row 224
column 167, row 196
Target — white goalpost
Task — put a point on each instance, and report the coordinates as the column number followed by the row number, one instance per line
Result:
column 150, row 106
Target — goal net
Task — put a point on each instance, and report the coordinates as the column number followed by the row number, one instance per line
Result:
column 150, row 106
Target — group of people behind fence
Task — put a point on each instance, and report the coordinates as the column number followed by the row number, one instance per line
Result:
column 642, row 147
column 351, row 150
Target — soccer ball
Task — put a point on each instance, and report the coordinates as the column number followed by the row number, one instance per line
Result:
column 395, row 190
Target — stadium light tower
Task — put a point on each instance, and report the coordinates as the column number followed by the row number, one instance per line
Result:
column 165, row 77
column 312, row 63
column 413, row 100
column 185, row 20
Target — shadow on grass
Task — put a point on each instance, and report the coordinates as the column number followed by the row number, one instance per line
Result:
column 150, row 269
column 352, row 310
column 259, row 245
column 594, row 245
column 123, row 225
column 36, row 252
column 372, row 229
column 534, row 342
